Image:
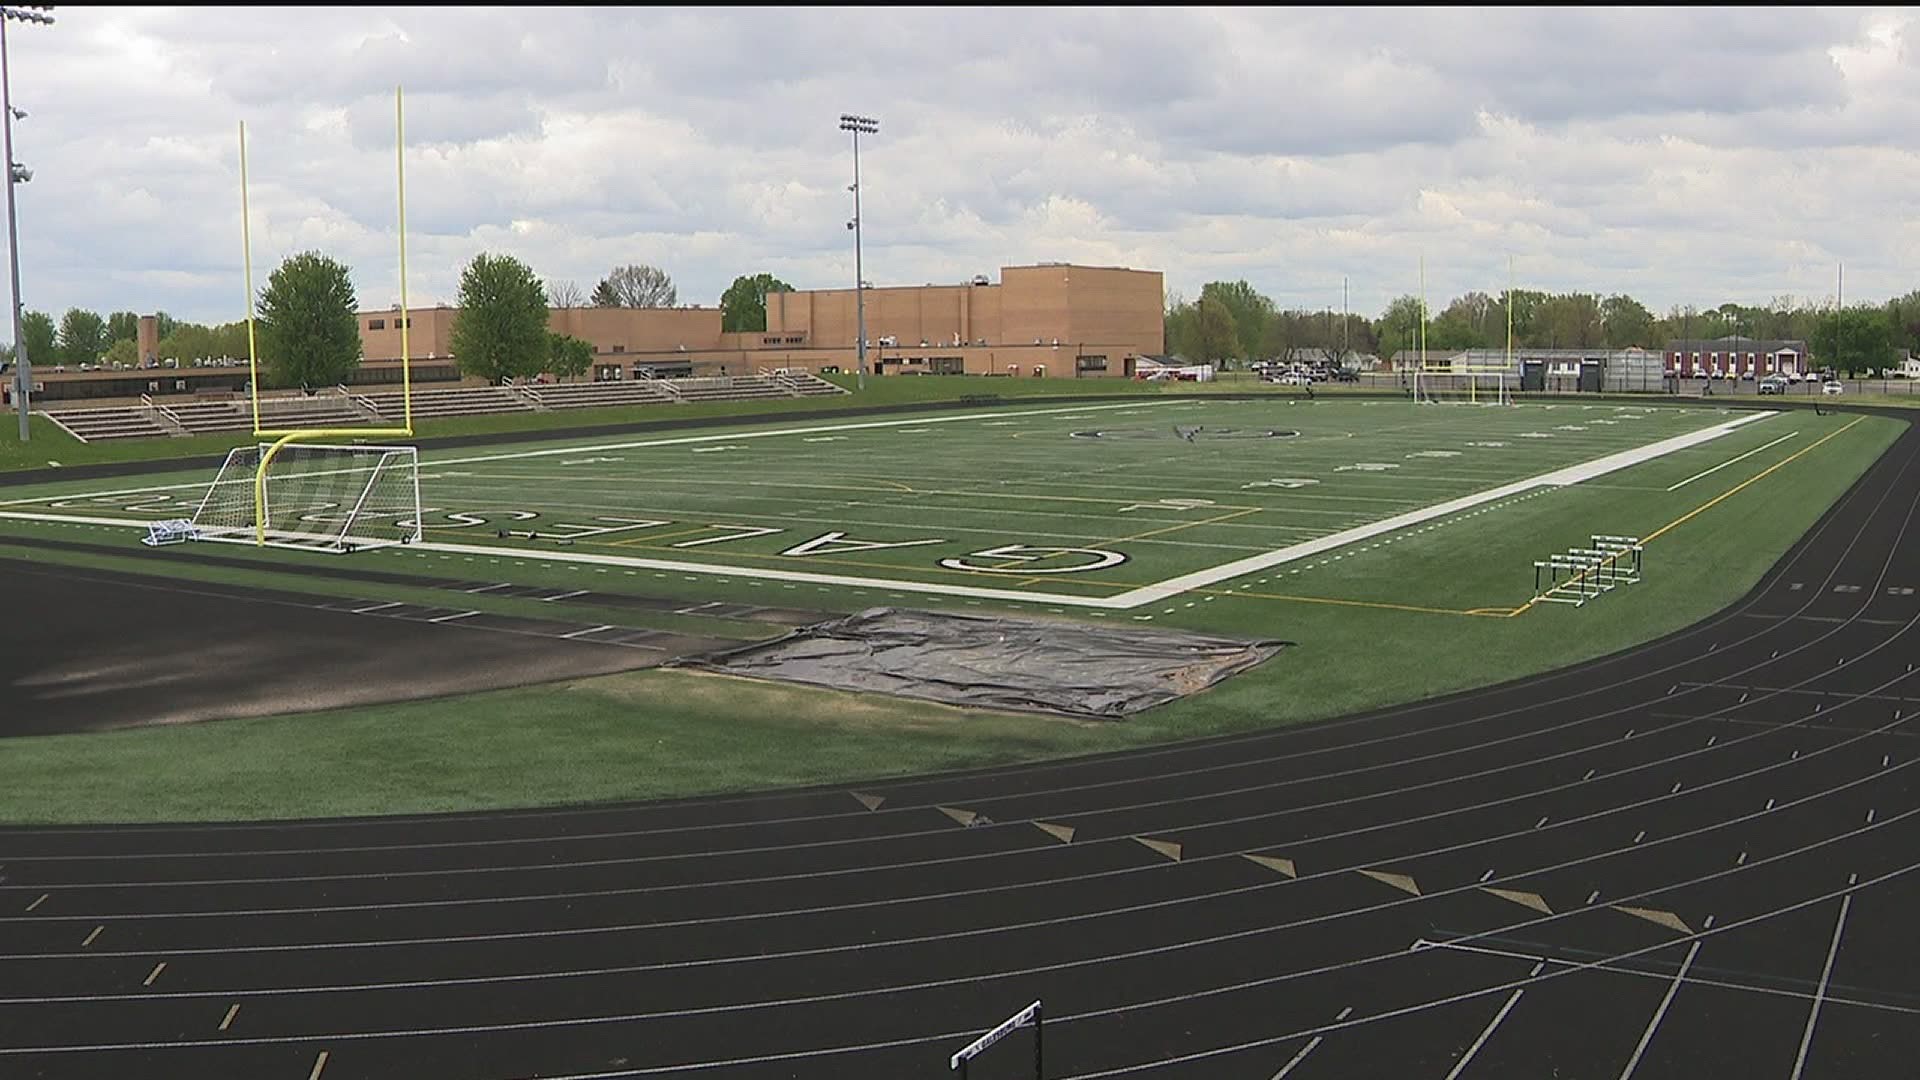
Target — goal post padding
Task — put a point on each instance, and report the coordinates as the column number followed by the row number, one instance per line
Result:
column 314, row 496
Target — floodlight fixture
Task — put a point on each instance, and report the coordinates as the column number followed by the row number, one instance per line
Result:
column 858, row 125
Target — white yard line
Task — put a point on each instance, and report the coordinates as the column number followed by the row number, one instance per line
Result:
column 682, row 440
column 1146, row 594
column 1730, row 461
column 1572, row 474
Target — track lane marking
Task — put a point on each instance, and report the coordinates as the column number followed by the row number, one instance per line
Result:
column 1485, row 1034
column 1826, row 973
column 1660, row 1013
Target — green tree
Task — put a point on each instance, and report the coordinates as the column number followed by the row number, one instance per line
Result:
column 568, row 356
column 1856, row 340
column 1181, row 324
column 123, row 351
column 164, row 324
column 1903, row 320
column 189, row 342
column 743, row 307
column 1247, row 308
column 123, row 326
column 636, row 286
column 308, row 330
column 501, row 329
column 1399, row 326
column 36, row 330
column 230, row 339
column 1215, row 337
column 1625, row 321
column 1569, row 321
column 83, row 336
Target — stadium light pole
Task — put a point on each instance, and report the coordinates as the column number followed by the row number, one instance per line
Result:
column 858, row 125
column 16, row 173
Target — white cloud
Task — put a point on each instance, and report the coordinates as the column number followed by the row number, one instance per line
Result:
column 1675, row 154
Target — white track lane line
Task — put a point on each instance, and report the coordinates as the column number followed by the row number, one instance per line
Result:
column 1826, row 973
column 1660, row 1013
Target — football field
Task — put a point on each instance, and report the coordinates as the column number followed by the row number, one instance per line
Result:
column 1101, row 507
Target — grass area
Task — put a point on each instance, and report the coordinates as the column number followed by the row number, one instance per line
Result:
column 670, row 733
column 50, row 444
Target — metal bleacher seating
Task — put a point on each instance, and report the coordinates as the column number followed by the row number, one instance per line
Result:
column 451, row 401
column 98, row 424
column 589, row 394
column 347, row 409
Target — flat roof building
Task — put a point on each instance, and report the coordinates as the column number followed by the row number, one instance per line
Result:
column 1053, row 320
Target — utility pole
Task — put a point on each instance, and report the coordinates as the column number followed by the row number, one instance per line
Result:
column 870, row 126
column 16, row 173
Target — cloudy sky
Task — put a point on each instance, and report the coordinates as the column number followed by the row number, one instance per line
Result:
column 1685, row 156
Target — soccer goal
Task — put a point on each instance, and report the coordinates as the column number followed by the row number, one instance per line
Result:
column 1463, row 387
column 314, row 497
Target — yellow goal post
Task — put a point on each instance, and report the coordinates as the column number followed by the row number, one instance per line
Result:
column 268, row 453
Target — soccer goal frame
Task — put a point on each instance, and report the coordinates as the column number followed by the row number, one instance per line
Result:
column 314, row 497
column 1463, row 386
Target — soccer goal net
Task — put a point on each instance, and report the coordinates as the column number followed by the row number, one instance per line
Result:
column 321, row 498
column 1463, row 387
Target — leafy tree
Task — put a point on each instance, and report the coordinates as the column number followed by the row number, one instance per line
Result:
column 1286, row 335
column 501, row 329
column 1855, row 340
column 1247, row 308
column 123, row 326
column 190, row 342
column 309, row 326
column 164, row 324
column 743, row 307
column 123, row 351
column 1181, row 325
column 636, row 286
column 83, row 336
column 36, row 330
column 1625, row 321
column 1569, row 321
column 1903, row 320
column 568, row 356
column 1399, row 326
column 565, row 294
column 1215, row 337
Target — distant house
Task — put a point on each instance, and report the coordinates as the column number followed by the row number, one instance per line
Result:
column 1733, row 355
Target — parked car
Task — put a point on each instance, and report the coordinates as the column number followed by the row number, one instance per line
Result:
column 1345, row 375
column 1773, row 384
column 1831, row 388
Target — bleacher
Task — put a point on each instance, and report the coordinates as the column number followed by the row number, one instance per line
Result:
column 589, row 394
column 96, row 425
column 348, row 410
column 731, row 388
column 454, row 401
column 807, row 384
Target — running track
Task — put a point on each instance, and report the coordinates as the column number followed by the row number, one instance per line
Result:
column 1315, row 901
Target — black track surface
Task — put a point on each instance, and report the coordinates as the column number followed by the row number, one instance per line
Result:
column 1748, row 784
column 104, row 649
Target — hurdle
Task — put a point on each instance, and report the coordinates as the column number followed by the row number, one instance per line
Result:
column 1589, row 572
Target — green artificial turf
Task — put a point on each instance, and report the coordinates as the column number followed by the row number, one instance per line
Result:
column 1381, row 624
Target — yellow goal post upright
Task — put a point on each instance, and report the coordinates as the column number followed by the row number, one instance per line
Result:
column 340, row 497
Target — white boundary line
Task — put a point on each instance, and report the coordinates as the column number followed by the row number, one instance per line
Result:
column 1730, row 461
column 1145, row 594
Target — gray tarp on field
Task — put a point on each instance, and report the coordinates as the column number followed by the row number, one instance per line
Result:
column 990, row 662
